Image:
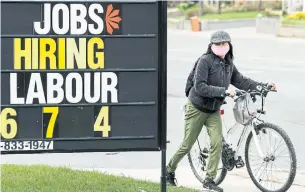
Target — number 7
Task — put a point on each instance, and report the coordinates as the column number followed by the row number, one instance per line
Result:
column 54, row 114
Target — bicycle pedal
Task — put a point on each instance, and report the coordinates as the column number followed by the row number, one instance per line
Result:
column 205, row 153
column 205, row 150
column 239, row 163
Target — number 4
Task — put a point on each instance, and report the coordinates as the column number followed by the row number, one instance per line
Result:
column 105, row 127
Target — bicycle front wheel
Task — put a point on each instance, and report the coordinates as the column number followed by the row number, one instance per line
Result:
column 277, row 147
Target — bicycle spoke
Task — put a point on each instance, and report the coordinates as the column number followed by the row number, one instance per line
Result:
column 265, row 177
column 271, row 165
column 262, row 173
column 256, row 157
column 277, row 147
column 258, row 163
column 270, row 139
column 282, row 152
column 270, row 177
column 259, row 167
column 276, row 170
column 265, row 173
column 275, row 180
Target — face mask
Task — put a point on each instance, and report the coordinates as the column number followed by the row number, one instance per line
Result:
column 220, row 51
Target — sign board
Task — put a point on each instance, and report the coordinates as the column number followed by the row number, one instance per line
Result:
column 83, row 76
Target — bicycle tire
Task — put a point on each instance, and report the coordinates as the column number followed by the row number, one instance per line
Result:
column 291, row 149
column 217, row 181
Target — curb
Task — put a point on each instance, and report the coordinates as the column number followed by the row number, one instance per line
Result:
column 208, row 25
column 274, row 27
column 269, row 28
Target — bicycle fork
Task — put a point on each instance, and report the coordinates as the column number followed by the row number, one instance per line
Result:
column 256, row 141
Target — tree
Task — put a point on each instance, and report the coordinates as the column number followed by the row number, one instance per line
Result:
column 219, row 6
column 201, row 4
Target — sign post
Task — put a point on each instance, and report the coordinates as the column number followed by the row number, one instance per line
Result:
column 163, row 122
column 83, row 76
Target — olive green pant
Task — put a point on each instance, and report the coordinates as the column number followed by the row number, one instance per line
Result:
column 194, row 121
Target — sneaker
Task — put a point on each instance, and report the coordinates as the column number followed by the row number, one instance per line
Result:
column 170, row 179
column 210, row 184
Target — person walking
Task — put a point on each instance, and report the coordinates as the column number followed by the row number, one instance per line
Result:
column 206, row 89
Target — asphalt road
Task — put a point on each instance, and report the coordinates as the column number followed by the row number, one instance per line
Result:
column 259, row 57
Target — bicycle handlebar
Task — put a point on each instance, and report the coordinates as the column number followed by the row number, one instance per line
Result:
column 262, row 90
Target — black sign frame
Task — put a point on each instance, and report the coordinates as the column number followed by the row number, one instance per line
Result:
column 162, row 90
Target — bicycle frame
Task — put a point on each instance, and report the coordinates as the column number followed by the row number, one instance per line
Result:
column 255, row 121
column 226, row 137
column 245, row 132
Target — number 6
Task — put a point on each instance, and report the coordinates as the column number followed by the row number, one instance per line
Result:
column 5, row 121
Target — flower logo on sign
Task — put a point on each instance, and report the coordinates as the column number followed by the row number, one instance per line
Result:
column 112, row 19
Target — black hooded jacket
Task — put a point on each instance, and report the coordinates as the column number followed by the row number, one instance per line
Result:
column 210, row 78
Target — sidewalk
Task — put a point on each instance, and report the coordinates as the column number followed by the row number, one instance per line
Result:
column 237, row 180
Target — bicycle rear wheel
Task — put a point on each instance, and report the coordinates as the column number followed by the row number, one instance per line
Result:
column 199, row 164
column 271, row 157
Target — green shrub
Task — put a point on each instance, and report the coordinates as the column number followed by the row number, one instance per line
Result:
column 241, row 8
column 183, row 6
column 250, row 7
column 273, row 5
column 231, row 9
column 271, row 13
column 209, row 9
column 191, row 12
column 194, row 11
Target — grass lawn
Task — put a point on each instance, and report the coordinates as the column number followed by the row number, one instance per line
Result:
column 39, row 178
column 230, row 15
column 293, row 22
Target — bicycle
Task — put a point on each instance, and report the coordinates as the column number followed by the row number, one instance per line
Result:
column 230, row 158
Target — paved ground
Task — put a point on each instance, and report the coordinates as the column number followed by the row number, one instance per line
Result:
column 257, row 56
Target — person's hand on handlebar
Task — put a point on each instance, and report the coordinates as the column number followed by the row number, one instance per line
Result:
column 231, row 93
column 272, row 86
